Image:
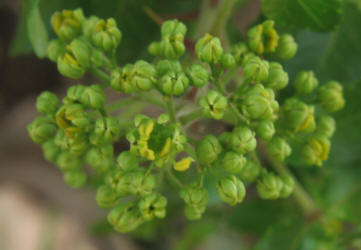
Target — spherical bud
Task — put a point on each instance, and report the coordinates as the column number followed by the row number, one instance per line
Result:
column 265, row 130
column 269, row 187
column 277, row 77
column 155, row 48
column 287, row 47
column 227, row 61
column 173, row 27
column 127, row 161
column 255, row 39
column 305, row 82
column 238, row 51
column 315, row 151
column 232, row 162
column 75, row 178
column 279, row 149
column 172, row 47
column 243, row 140
column 41, row 129
column 153, row 206
column 256, row 69
column 194, row 213
column 287, row 187
column 298, row 116
column 231, row 190
column 195, row 196
column 326, row 125
column 108, row 128
column 68, row 66
column 143, row 76
column 214, row 104
column 125, row 217
column 141, row 184
column 120, row 79
column 174, row 83
column 68, row 24
column 50, row 151
column 72, row 115
column 198, row 75
column 106, row 197
column 209, row 49
column 101, row 158
column 208, row 149
column 250, row 171
column 104, row 34
column 165, row 66
column 47, row 103
column 330, row 96
column 93, row 97
column 56, row 48
column 74, row 94
column 76, row 142
column 183, row 164
column 81, row 52
column 68, row 161
column 263, row 37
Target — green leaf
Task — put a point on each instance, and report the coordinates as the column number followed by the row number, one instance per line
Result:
column 37, row 32
column 319, row 15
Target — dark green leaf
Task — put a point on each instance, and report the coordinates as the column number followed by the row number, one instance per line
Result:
column 37, row 32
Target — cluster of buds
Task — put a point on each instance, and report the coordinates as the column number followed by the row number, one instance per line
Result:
column 81, row 130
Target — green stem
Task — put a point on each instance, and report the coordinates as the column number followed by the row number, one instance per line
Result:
column 224, row 12
column 101, row 75
column 170, row 107
column 191, row 117
column 172, row 178
column 190, row 150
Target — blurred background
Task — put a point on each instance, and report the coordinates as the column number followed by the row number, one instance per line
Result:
column 37, row 209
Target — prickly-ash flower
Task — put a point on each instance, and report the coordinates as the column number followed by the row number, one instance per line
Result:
column 231, row 190
column 68, row 24
column 209, row 49
column 330, row 96
column 214, row 104
column 263, row 37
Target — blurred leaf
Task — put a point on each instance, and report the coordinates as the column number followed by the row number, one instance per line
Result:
column 320, row 15
column 37, row 33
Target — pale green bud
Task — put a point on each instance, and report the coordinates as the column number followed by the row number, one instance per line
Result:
column 127, row 161
column 263, row 37
column 269, row 187
column 81, row 52
column 250, row 171
column 108, row 128
column 195, row 196
column 140, row 183
column 277, row 77
column 315, row 151
column 287, row 187
column 125, row 217
column 155, row 48
column 172, row 28
column 143, row 76
column 287, row 47
column 330, row 96
column 74, row 94
column 50, row 151
column 209, row 49
column 47, row 103
column 232, row 162
column 198, row 74
column 41, row 129
column 172, row 47
column 104, row 34
column 214, row 104
column 68, row 161
column 256, row 69
column 106, row 197
column 75, row 178
column 231, row 190
column 93, row 97
column 101, row 158
column 305, row 82
column 265, row 130
column 120, row 79
column 174, row 83
column 153, row 205
column 243, row 140
column 227, row 61
column 194, row 213
column 56, row 48
column 68, row 66
column 238, row 51
column 208, row 149
column 68, row 24
column 165, row 66
column 72, row 115
column 279, row 149
column 326, row 125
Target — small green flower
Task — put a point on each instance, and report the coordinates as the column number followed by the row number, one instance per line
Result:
column 287, row 187
column 195, row 196
column 68, row 161
column 172, row 28
column 256, row 69
column 287, row 47
column 74, row 94
column 72, row 117
column 68, row 66
column 194, row 213
column 269, row 187
column 330, row 96
column 250, row 171
column 165, row 66
column 107, row 128
column 263, row 37
column 47, row 103
column 214, row 104
column 125, row 217
column 75, row 178
column 41, row 129
column 141, row 183
column 243, row 140
column 198, row 75
column 305, row 82
column 232, row 162
column 172, row 43
column 208, row 149
column 153, row 205
column 265, row 130
column 93, row 97
column 316, row 149
column 106, row 197
column 56, row 48
column 239, row 51
column 127, row 161
column 209, row 49
column 279, row 149
column 277, row 77
column 227, row 61
column 51, row 151
column 174, row 83
column 231, row 190
column 81, row 51
column 326, row 125
column 101, row 158
column 68, row 24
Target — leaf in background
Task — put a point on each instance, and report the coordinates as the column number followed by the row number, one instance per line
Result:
column 319, row 15
column 37, row 33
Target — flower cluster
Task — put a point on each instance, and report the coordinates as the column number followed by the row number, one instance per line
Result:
column 80, row 130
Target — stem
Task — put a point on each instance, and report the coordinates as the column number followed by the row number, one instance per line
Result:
column 190, row 150
column 191, row 117
column 224, row 12
column 173, row 178
column 170, row 107
column 101, row 74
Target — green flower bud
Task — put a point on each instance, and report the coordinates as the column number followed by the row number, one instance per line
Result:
column 315, row 151
column 214, row 104
column 227, row 61
column 140, row 183
column 238, row 51
column 279, row 149
column 143, row 76
column 326, row 125
column 263, row 37
column 68, row 161
column 101, row 158
column 287, row 47
column 298, row 116
column 269, row 187
column 127, row 161
column 265, row 130
column 56, row 48
column 305, row 82
column 165, row 66
column 125, row 217
column 198, row 74
column 194, row 213
column 120, row 79
column 153, row 205
column 93, row 97
column 106, row 197
column 231, row 190
column 61, row 140
column 41, row 129
column 155, row 48
column 173, row 33
column 243, row 140
column 68, row 66
column 287, row 187
column 208, row 149
column 51, row 151
column 195, row 196
column 173, row 27
column 72, row 115
column 103, row 34
column 277, row 77
column 233, row 163
column 250, row 171
column 256, row 69
column 225, row 139
column 78, row 143
column 174, row 83
column 74, row 94
column 81, row 51
column 75, row 178
column 209, row 49
column 47, row 103
column 68, row 24
column 330, row 96
column 255, row 39
column 107, row 128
